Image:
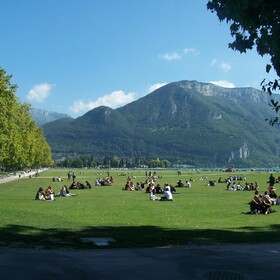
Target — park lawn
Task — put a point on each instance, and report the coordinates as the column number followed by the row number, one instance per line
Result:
column 198, row 215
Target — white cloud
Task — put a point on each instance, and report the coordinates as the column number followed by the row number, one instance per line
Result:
column 155, row 87
column 214, row 62
column 39, row 92
column 191, row 51
column 225, row 66
column 112, row 100
column 171, row 56
column 223, row 83
column 222, row 65
column 177, row 56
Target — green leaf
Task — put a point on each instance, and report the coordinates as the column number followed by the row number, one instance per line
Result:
column 268, row 67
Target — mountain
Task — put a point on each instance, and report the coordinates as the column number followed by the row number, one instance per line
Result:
column 195, row 123
column 42, row 116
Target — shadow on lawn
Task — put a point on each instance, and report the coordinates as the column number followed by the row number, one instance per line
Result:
column 129, row 237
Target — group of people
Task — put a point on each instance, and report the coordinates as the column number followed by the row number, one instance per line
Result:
column 237, row 186
column 49, row 193
column 81, row 186
column 129, row 186
column 139, row 186
column 156, row 188
column 262, row 204
column 259, row 204
column 180, row 184
column 236, row 183
column 152, row 189
column 58, row 179
column 71, row 175
column 167, row 194
column 232, row 178
column 108, row 181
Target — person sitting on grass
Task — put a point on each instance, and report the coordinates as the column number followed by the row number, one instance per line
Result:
column 131, row 185
column 65, row 192
column 256, row 203
column 128, row 186
column 239, row 187
column 158, row 189
column 49, row 193
column 138, row 187
column 211, row 183
column 106, row 182
column 88, row 185
column 112, row 181
column 153, row 196
column 73, row 186
column 272, row 194
column 266, row 204
column 172, row 189
column 97, row 182
column 180, row 184
column 40, row 195
column 81, row 186
column 150, row 187
column 167, row 195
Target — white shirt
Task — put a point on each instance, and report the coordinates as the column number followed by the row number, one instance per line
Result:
column 168, row 195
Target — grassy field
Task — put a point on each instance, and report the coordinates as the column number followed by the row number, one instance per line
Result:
column 198, row 215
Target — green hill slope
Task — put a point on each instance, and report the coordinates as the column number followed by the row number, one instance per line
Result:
column 196, row 123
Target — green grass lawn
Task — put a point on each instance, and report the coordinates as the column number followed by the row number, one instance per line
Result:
column 199, row 215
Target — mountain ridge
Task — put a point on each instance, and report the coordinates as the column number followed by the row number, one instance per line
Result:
column 195, row 123
column 42, row 117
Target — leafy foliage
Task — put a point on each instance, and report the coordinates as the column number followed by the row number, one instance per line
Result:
column 254, row 24
column 22, row 143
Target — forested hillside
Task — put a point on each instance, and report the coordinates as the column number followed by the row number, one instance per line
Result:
column 189, row 122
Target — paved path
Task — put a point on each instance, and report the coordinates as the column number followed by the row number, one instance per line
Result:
column 248, row 262
column 19, row 175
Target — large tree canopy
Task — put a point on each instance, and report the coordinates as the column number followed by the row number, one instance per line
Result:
column 22, row 143
column 254, row 23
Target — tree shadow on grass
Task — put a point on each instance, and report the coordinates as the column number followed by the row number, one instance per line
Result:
column 132, row 237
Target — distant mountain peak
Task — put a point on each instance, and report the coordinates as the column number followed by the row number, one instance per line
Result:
column 43, row 116
column 197, row 123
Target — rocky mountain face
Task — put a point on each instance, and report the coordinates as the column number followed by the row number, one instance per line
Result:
column 195, row 123
column 42, row 116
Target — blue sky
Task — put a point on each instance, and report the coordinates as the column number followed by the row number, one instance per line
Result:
column 71, row 56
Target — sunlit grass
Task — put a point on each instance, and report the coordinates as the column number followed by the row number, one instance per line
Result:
column 199, row 214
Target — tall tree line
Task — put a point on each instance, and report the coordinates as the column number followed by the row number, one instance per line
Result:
column 22, row 143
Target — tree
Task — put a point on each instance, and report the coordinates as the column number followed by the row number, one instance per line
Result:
column 254, row 23
column 22, row 143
